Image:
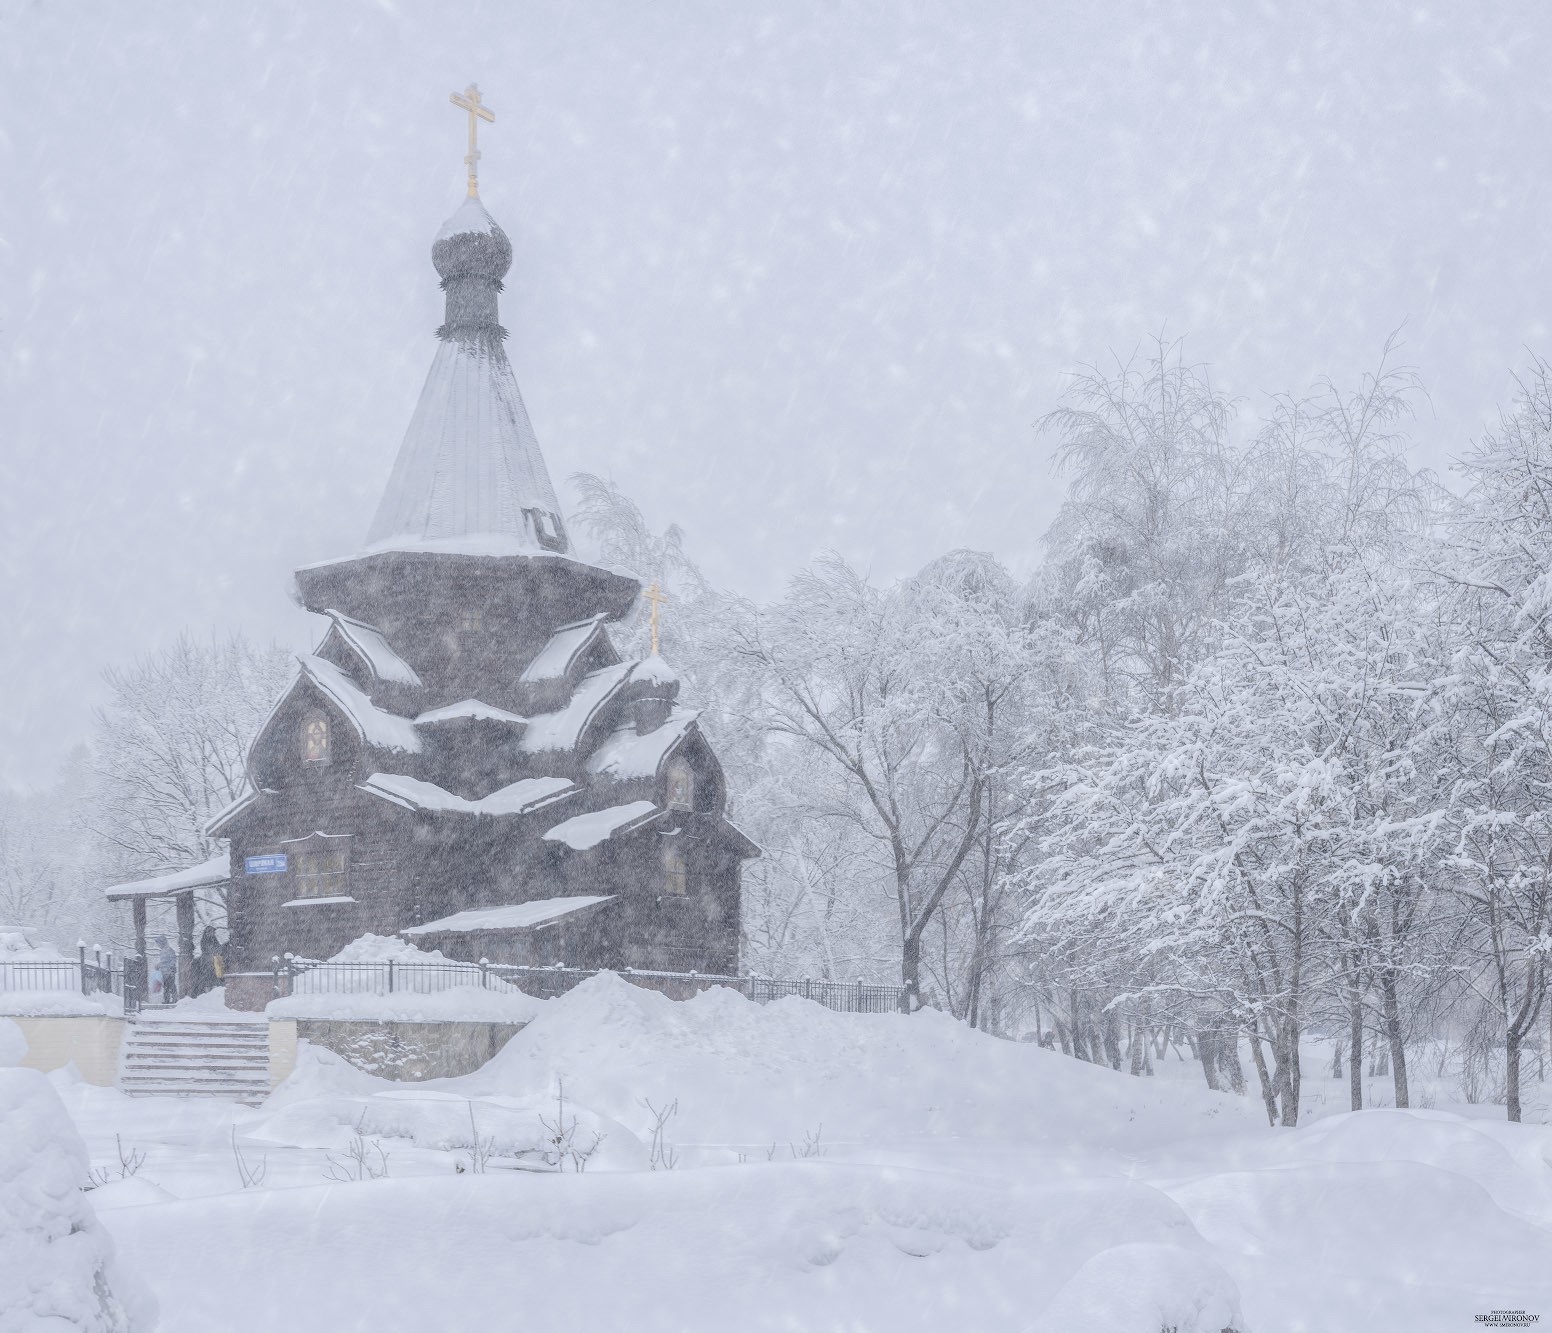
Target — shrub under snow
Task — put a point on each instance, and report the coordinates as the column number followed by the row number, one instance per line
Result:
column 56, row 1263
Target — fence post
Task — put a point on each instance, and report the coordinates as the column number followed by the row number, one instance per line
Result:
column 808, row 988
column 390, row 976
column 484, row 974
column 859, row 1008
column 274, row 963
column 81, row 949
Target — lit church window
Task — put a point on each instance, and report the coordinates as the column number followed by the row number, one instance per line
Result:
column 315, row 739
column 676, row 875
column 681, row 786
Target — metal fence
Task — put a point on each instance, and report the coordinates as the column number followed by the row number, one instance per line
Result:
column 305, row 976
column 96, row 974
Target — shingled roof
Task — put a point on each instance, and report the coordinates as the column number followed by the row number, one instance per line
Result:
column 469, row 470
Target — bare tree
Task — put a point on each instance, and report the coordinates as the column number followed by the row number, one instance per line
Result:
column 169, row 749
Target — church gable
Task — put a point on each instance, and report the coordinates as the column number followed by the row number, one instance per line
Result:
column 572, row 651
column 364, row 654
column 323, row 723
column 629, row 755
column 564, row 729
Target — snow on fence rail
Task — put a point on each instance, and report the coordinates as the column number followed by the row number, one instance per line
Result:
column 310, row 977
column 98, row 975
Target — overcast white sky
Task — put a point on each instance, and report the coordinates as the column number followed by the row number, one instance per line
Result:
column 797, row 275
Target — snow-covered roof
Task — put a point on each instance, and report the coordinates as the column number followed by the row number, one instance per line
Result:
column 220, row 819
column 516, row 798
column 626, row 754
column 746, row 846
column 584, row 831
column 525, row 795
column 655, row 671
column 562, row 730
column 555, row 660
column 469, row 708
column 514, row 916
column 206, row 874
column 374, row 650
column 386, row 731
column 470, row 463
column 470, row 218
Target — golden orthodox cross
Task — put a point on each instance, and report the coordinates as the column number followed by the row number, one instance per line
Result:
column 469, row 100
column 657, row 597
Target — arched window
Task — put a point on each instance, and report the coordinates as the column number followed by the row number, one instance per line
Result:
column 681, row 786
column 676, row 875
column 315, row 739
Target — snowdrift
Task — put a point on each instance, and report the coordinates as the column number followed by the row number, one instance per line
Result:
column 748, row 1075
column 57, row 1268
column 956, row 1181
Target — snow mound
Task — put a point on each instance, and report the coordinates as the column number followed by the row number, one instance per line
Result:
column 1146, row 1288
column 327, row 1101
column 58, row 1004
column 16, row 947
column 56, row 1263
column 386, row 949
column 748, row 1075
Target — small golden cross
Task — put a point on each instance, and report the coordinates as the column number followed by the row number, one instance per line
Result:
column 657, row 597
column 469, row 100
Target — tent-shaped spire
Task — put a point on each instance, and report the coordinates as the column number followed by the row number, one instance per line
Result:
column 469, row 474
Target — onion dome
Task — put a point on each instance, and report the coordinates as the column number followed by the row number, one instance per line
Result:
column 471, row 244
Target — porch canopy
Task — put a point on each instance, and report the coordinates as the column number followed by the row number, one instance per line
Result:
column 178, row 885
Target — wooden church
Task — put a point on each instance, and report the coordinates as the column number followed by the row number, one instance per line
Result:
column 465, row 759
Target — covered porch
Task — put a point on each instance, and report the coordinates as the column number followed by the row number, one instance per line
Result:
column 180, row 886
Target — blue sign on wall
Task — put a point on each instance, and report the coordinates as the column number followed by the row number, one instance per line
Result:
column 265, row 865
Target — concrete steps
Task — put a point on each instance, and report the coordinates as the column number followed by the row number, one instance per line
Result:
column 196, row 1057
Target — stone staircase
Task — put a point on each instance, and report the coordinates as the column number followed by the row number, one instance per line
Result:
column 196, row 1057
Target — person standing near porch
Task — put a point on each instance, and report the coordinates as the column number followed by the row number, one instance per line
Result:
column 167, row 964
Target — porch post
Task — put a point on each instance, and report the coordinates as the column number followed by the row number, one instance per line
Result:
column 185, row 903
column 140, row 928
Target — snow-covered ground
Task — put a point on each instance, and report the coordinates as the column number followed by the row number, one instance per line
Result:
column 833, row 1172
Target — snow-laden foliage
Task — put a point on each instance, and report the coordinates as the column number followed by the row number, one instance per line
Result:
column 170, row 748
column 57, row 1268
column 1261, row 752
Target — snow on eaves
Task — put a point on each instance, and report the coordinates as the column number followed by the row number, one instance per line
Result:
column 516, row 798
column 584, row 831
column 469, row 708
column 626, row 754
column 555, row 660
column 562, row 730
column 526, row 795
column 217, row 870
column 513, row 916
column 655, row 671
column 221, row 818
column 384, row 730
column 374, row 650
